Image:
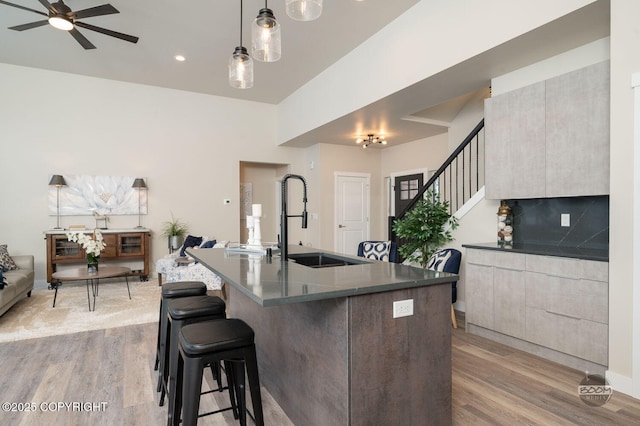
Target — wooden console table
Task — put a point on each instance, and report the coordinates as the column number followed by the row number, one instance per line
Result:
column 123, row 245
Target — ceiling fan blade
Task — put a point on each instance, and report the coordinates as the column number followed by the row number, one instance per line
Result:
column 48, row 5
column 23, row 8
column 81, row 39
column 105, row 9
column 29, row 25
column 125, row 37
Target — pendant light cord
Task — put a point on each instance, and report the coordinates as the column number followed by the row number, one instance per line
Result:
column 241, row 1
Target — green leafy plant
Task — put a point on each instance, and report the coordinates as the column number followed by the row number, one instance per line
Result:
column 425, row 229
column 174, row 228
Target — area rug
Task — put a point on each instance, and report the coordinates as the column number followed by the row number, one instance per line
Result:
column 35, row 317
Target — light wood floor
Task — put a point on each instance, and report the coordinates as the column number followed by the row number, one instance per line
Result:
column 492, row 384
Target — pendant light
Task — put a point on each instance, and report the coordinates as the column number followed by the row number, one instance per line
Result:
column 265, row 36
column 304, row 10
column 241, row 65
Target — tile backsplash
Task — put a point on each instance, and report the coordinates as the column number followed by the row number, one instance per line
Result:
column 538, row 221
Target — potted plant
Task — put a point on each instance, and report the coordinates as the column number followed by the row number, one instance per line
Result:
column 175, row 231
column 425, row 228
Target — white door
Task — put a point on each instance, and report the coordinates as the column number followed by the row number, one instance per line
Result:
column 352, row 212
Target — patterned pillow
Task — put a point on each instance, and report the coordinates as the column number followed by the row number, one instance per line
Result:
column 376, row 250
column 437, row 261
column 5, row 260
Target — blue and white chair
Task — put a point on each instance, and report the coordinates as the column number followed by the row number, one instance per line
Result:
column 447, row 260
column 386, row 251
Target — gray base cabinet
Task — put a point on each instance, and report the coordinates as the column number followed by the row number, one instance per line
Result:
column 560, row 304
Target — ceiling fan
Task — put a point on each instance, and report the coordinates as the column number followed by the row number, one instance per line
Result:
column 62, row 17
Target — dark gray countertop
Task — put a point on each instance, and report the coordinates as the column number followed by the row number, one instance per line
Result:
column 545, row 250
column 271, row 283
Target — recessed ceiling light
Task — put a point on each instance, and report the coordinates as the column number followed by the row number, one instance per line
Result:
column 180, row 58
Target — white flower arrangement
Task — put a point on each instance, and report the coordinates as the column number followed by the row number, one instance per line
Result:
column 92, row 244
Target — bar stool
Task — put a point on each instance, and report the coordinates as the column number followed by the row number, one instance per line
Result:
column 180, row 312
column 213, row 341
column 171, row 291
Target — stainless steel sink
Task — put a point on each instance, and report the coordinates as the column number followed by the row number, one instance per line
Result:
column 323, row 260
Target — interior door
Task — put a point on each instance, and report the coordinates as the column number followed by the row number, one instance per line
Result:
column 352, row 212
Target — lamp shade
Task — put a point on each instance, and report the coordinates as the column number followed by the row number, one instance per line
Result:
column 266, row 43
column 240, row 69
column 57, row 180
column 304, row 10
column 139, row 184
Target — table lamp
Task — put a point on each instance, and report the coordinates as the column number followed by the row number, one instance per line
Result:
column 58, row 182
column 140, row 185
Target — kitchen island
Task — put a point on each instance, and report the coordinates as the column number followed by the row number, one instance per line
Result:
column 330, row 351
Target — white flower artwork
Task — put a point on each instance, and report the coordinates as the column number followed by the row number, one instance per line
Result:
column 97, row 195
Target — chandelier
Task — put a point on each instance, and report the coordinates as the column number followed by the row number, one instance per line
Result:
column 371, row 139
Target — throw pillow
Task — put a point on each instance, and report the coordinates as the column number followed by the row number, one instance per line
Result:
column 377, row 250
column 5, row 260
column 189, row 242
column 208, row 244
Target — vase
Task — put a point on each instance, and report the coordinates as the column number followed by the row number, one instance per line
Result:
column 92, row 264
column 505, row 224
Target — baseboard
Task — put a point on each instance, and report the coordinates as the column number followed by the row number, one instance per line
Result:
column 622, row 384
column 541, row 351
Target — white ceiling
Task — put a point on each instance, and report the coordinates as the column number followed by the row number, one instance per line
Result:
column 206, row 32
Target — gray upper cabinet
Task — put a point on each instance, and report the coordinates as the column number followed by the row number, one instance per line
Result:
column 515, row 144
column 550, row 139
column 577, row 121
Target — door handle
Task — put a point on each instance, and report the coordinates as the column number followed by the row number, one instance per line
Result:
column 342, row 226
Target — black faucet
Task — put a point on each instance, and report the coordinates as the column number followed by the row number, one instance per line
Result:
column 283, row 214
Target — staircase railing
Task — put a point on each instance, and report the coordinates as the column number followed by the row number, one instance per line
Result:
column 457, row 180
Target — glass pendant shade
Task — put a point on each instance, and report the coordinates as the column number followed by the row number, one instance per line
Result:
column 240, row 69
column 266, row 45
column 304, row 10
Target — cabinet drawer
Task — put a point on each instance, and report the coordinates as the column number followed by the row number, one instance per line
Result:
column 596, row 271
column 559, row 266
column 581, row 338
column 576, row 298
column 481, row 257
column 496, row 258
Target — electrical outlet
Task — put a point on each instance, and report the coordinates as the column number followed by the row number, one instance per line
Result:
column 403, row 308
column 565, row 219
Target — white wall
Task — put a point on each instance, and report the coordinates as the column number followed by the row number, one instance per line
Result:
column 433, row 27
column 188, row 147
column 624, row 344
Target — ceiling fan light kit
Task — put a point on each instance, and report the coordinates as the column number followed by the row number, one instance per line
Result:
column 60, row 23
column 304, row 10
column 60, row 16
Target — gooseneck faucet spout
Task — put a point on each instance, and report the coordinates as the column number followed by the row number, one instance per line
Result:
column 284, row 237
